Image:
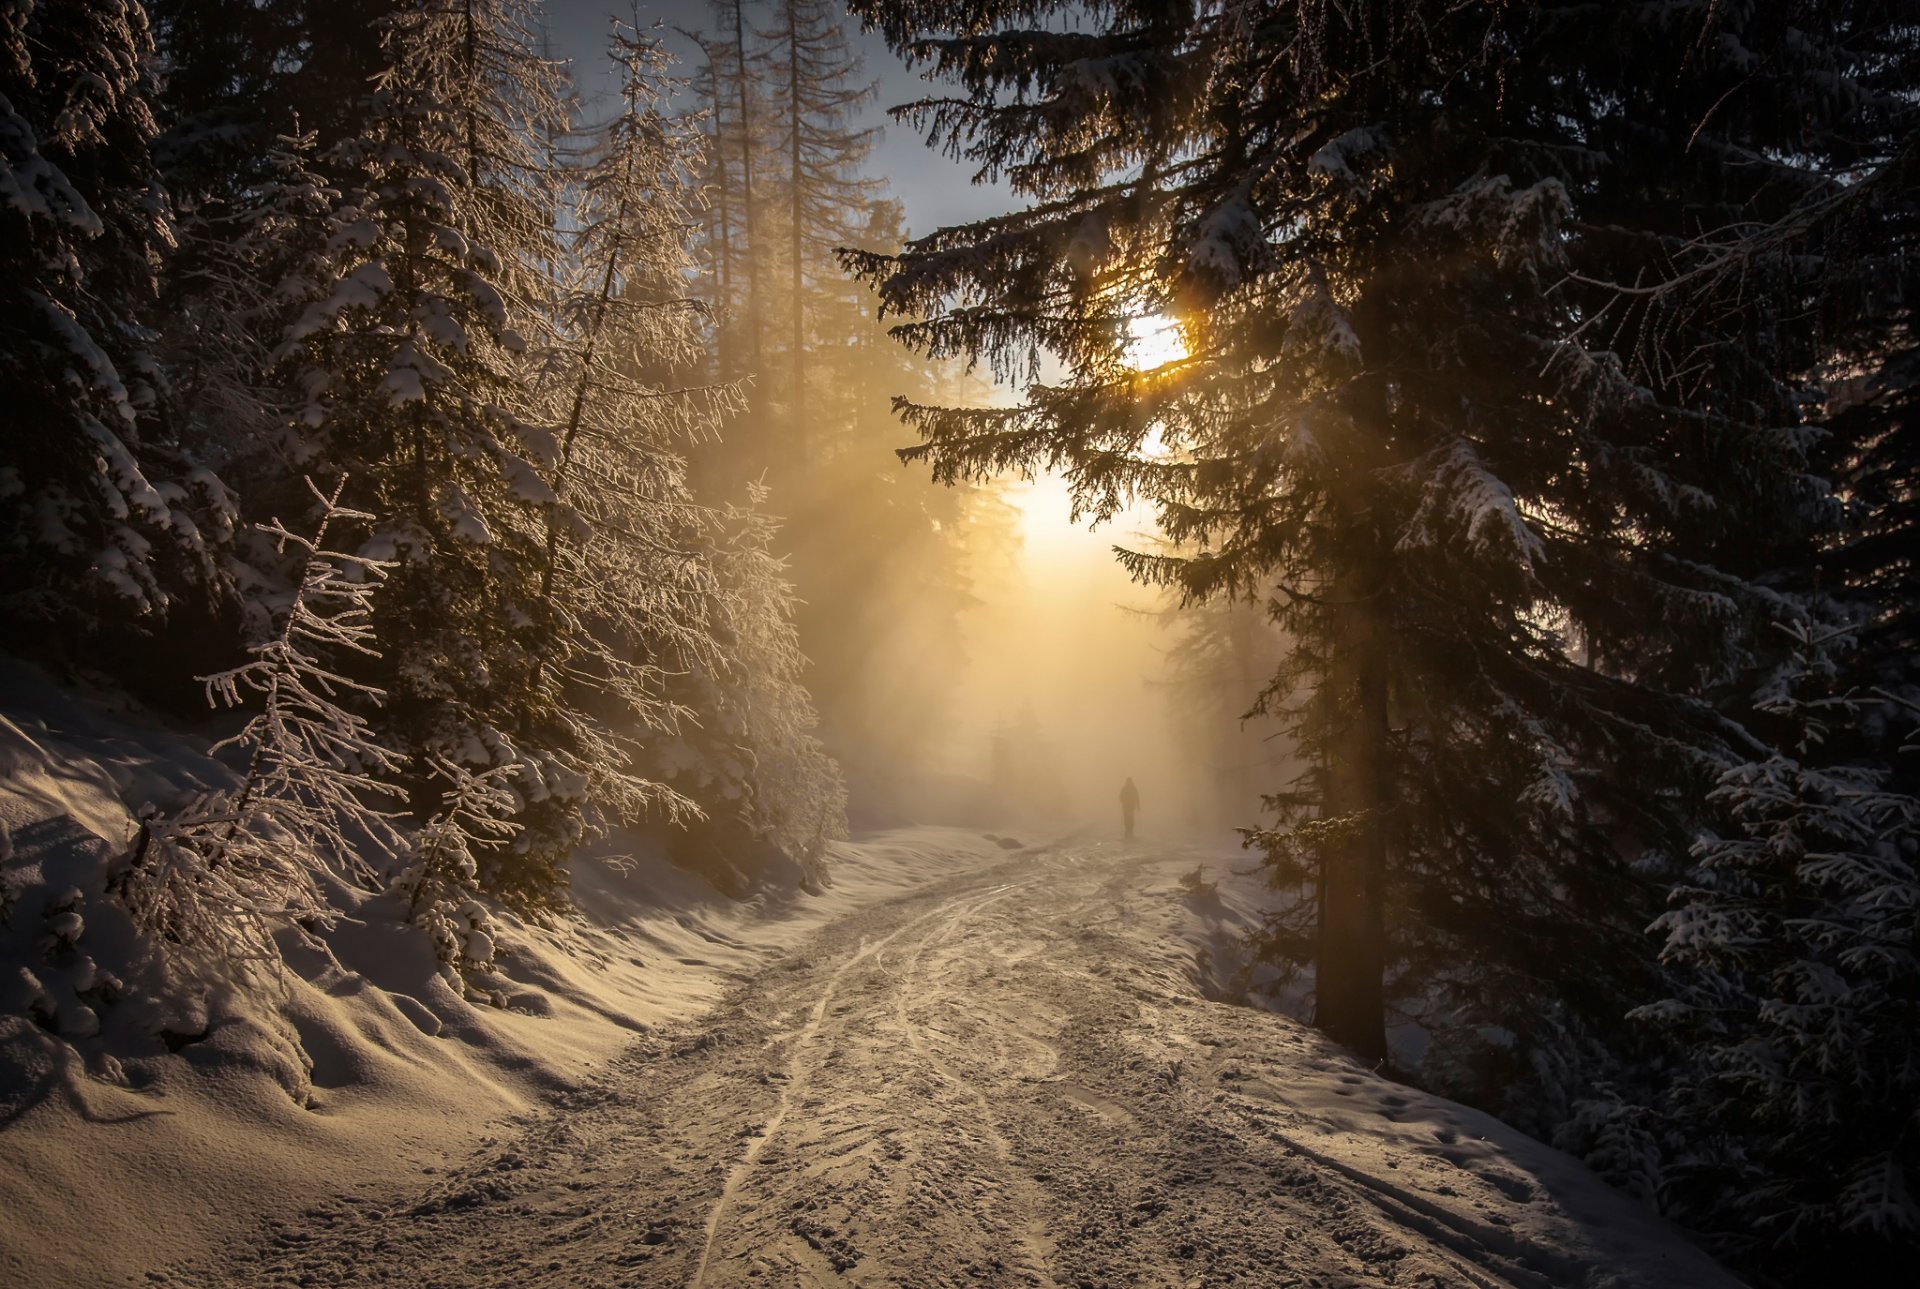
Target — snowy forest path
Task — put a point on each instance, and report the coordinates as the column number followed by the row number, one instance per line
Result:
column 1011, row 1078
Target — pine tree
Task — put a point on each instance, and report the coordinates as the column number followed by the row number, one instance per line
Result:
column 625, row 584
column 1792, row 949
column 105, row 522
column 1509, row 542
column 719, row 237
column 252, row 270
column 413, row 367
column 763, row 782
column 814, row 96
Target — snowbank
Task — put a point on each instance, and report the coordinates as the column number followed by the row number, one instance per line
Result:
column 1445, row 1172
column 142, row 1124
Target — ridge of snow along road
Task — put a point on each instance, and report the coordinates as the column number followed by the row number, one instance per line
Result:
column 122, row 1153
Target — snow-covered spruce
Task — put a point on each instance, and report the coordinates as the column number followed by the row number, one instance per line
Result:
column 623, row 582
column 682, row 620
column 214, row 881
column 246, row 271
column 105, row 521
column 752, row 761
column 413, row 363
column 1793, row 957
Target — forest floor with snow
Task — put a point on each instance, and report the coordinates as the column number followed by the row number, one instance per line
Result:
column 966, row 1061
column 1013, row 1076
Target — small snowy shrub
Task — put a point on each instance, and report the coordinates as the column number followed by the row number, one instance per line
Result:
column 215, row 880
column 1619, row 1140
column 1195, row 886
column 441, row 883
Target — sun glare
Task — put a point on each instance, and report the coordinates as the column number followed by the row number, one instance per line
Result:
column 1154, row 341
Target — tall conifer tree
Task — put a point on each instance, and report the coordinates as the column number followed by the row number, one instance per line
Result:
column 815, row 95
column 1508, row 529
column 412, row 366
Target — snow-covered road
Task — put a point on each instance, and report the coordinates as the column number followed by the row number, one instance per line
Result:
column 1007, row 1078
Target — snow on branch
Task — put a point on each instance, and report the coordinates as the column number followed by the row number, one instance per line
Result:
column 442, row 884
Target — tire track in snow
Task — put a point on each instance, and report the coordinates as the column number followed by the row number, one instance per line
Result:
column 799, row 1074
column 1033, row 1238
column 1008, row 1080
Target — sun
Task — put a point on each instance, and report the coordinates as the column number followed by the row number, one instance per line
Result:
column 1154, row 340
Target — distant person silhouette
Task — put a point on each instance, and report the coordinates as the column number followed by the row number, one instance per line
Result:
column 1129, row 805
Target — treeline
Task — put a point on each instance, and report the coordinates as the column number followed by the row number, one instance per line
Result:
column 278, row 270
column 883, row 565
column 1550, row 378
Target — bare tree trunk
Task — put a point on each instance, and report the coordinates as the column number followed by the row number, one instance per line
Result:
column 750, row 213
column 796, row 446
column 719, row 218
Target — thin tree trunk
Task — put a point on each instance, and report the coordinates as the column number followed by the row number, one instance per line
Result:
column 719, row 219
column 472, row 30
column 797, row 396
column 750, row 213
column 724, row 320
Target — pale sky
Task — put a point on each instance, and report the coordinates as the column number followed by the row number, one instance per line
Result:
column 935, row 190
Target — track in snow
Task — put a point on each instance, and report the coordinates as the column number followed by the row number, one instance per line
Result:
column 1008, row 1079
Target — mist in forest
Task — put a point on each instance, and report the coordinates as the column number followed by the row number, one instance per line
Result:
column 973, row 654
column 1074, row 683
column 463, row 462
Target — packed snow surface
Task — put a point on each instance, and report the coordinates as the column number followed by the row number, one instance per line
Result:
column 165, row 1137
column 1010, row 1077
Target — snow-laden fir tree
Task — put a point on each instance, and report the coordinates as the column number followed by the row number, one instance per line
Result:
column 236, row 75
column 762, row 780
column 1786, row 1127
column 104, row 520
column 1795, row 956
column 249, row 269
column 413, row 371
column 215, row 881
column 678, row 619
column 624, row 586
column 1508, row 543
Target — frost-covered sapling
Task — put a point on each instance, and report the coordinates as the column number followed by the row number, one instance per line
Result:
column 219, row 877
column 441, row 884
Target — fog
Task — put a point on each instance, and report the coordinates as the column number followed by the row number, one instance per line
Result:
column 1059, row 703
column 1067, row 685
